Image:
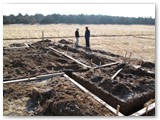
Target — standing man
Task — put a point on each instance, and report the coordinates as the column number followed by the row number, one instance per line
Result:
column 77, row 37
column 87, row 37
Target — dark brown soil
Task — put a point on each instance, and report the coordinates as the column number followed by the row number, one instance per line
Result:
column 17, row 45
column 63, row 41
column 39, row 59
column 125, row 89
column 53, row 97
column 131, row 88
column 85, row 57
column 35, row 60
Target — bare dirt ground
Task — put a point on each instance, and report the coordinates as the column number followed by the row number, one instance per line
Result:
column 54, row 97
column 36, row 60
column 131, row 88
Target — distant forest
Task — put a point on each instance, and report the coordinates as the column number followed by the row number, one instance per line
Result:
column 75, row 19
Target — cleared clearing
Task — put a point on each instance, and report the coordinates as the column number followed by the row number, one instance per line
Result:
column 138, row 39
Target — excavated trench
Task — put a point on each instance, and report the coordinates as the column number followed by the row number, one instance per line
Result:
column 130, row 91
column 87, row 58
column 130, row 88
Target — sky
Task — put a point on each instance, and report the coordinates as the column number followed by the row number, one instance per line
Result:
column 126, row 10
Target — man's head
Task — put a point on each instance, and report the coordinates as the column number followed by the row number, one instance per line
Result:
column 77, row 29
column 86, row 28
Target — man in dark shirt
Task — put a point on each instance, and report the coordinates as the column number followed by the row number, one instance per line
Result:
column 77, row 37
column 87, row 37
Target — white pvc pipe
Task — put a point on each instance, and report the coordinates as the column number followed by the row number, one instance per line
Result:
column 143, row 111
column 106, row 65
column 70, row 57
column 34, row 78
column 116, row 74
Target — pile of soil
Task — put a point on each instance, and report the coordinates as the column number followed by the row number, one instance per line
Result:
column 63, row 41
column 148, row 65
column 42, row 44
column 17, row 45
column 52, row 97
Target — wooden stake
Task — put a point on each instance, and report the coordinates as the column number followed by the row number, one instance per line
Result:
column 28, row 76
column 91, row 60
column 129, row 57
column 67, row 50
column 143, row 111
column 125, row 56
column 106, row 65
column 100, row 63
column 141, row 61
column 52, row 69
column 58, row 33
column 147, row 108
column 118, row 107
column 42, row 35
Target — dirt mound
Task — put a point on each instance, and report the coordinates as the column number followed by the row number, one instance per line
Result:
column 148, row 65
column 17, row 45
column 63, row 41
column 42, row 44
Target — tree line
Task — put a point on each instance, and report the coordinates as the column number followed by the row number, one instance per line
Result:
column 75, row 19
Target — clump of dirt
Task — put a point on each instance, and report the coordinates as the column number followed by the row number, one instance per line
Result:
column 42, row 44
column 148, row 65
column 17, row 45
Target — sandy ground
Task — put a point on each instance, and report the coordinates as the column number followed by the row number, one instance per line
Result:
column 141, row 40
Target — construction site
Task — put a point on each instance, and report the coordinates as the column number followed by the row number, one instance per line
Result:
column 54, row 78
